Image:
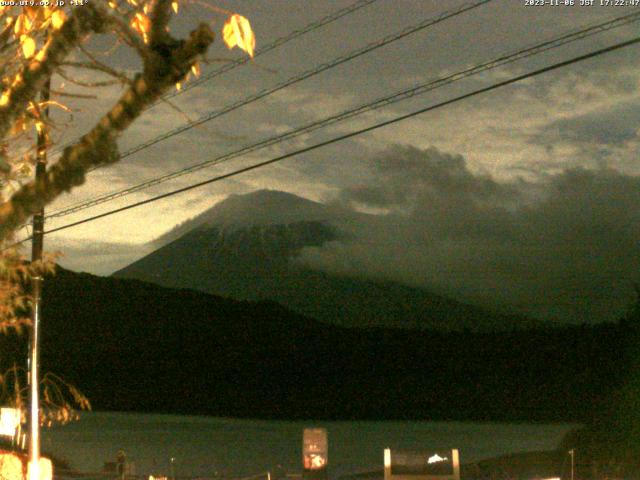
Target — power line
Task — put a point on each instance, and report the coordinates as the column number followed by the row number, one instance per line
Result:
column 332, row 17
column 275, row 44
column 305, row 75
column 384, row 101
column 459, row 98
column 308, row 74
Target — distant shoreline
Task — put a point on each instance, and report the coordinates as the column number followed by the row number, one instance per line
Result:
column 338, row 420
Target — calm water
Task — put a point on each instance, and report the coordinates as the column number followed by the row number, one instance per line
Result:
column 204, row 446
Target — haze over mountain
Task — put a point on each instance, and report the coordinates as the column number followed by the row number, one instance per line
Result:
column 251, row 247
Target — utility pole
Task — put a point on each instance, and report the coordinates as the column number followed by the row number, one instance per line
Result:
column 36, row 283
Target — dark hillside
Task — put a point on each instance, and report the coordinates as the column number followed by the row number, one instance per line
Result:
column 130, row 345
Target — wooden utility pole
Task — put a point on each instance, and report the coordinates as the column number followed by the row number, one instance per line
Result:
column 36, row 282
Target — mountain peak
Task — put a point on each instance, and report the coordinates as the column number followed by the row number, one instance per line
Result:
column 257, row 208
column 266, row 195
column 248, row 247
column 264, row 206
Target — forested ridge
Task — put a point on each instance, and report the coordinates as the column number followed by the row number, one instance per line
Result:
column 134, row 346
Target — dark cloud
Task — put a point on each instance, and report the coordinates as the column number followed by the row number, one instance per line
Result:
column 404, row 177
column 566, row 247
column 607, row 128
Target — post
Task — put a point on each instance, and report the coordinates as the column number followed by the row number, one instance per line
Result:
column 36, row 282
column 121, row 464
column 572, row 452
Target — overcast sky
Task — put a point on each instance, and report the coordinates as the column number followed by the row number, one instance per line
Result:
column 526, row 196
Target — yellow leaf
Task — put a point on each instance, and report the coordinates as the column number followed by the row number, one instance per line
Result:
column 4, row 99
column 27, row 23
column 195, row 68
column 142, row 24
column 57, row 19
column 28, row 47
column 237, row 33
column 18, row 79
column 41, row 54
column 178, row 86
column 174, row 5
column 17, row 27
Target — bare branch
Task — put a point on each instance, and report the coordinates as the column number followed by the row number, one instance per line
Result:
column 34, row 74
column 103, row 67
column 99, row 67
column 178, row 110
column 213, row 8
column 124, row 30
column 80, row 83
column 60, row 93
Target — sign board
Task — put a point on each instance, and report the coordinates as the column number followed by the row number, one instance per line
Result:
column 315, row 452
column 16, row 466
column 9, row 421
column 424, row 465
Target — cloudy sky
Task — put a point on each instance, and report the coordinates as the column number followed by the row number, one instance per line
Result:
column 527, row 196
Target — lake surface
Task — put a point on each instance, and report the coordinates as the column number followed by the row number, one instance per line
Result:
column 206, row 446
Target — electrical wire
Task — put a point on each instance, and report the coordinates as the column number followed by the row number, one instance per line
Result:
column 332, row 17
column 352, row 134
column 271, row 46
column 307, row 74
column 353, row 112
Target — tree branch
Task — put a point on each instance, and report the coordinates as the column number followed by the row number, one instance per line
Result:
column 124, row 30
column 159, row 15
column 35, row 73
column 169, row 62
column 80, row 83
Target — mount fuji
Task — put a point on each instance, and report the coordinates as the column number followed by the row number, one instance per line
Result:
column 248, row 247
